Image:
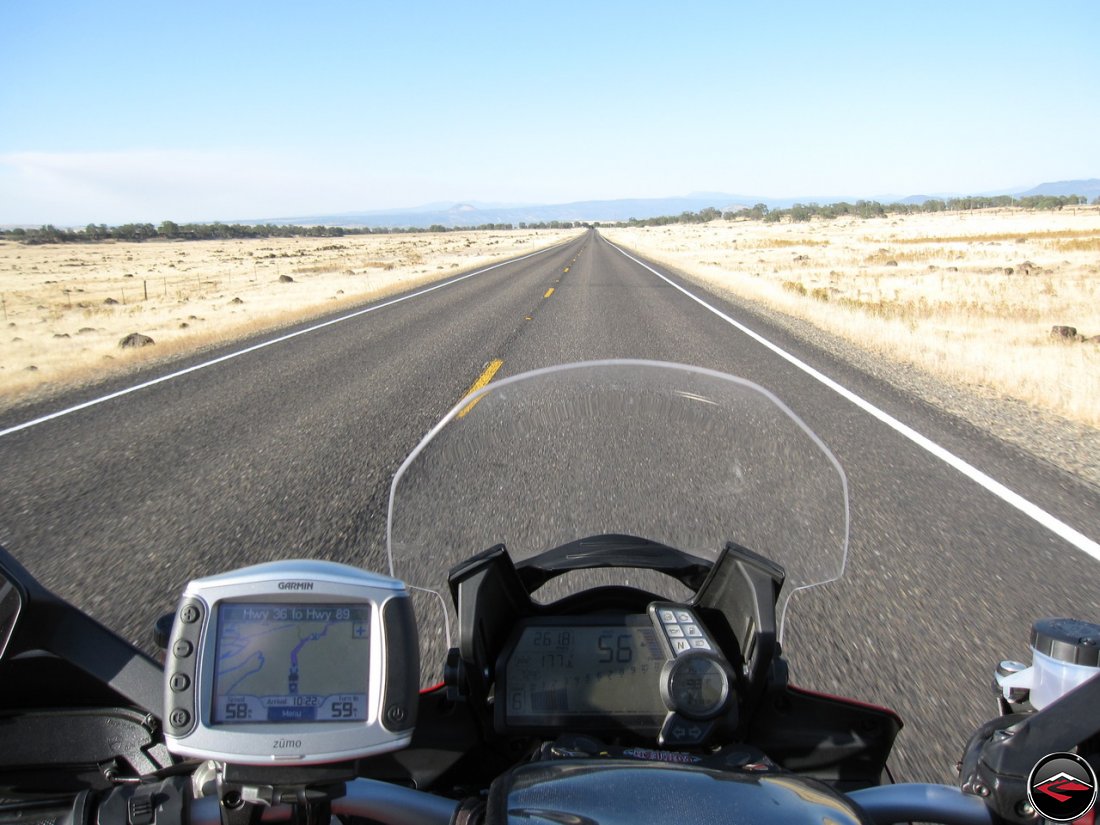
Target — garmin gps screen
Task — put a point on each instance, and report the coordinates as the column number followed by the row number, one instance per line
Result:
column 291, row 663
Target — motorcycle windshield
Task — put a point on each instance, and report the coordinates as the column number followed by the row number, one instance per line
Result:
column 679, row 455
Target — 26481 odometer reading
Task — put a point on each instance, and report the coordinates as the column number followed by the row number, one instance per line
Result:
column 291, row 663
column 567, row 672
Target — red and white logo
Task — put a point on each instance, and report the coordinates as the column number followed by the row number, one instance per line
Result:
column 1062, row 787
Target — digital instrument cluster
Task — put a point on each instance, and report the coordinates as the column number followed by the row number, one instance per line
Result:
column 658, row 673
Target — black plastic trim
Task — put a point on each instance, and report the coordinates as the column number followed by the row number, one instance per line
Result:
column 51, row 624
column 400, row 693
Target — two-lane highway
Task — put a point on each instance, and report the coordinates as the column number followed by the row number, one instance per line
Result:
column 289, row 451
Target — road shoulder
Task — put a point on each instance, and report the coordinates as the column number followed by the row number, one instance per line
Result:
column 1070, row 446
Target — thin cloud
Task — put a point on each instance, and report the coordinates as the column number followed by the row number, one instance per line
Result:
column 152, row 185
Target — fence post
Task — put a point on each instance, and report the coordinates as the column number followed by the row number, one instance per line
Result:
column 146, row 285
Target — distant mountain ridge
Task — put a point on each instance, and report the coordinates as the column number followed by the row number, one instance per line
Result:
column 465, row 214
column 1090, row 188
column 475, row 214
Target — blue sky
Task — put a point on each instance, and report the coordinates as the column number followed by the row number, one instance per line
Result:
column 119, row 111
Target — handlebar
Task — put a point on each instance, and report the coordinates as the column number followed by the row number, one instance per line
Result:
column 396, row 805
column 943, row 804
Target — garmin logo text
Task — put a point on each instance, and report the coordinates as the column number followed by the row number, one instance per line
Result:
column 281, row 744
column 295, row 585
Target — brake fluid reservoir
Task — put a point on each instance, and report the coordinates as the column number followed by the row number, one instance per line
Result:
column 1065, row 653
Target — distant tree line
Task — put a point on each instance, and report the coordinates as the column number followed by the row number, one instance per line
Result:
column 863, row 209
column 172, row 231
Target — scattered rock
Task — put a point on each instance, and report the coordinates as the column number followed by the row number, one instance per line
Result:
column 802, row 257
column 136, row 339
column 110, row 302
column 1021, row 240
column 184, row 325
column 192, row 317
column 1063, row 332
column 1094, row 339
column 952, row 269
column 16, row 339
column 891, row 263
column 339, row 292
column 285, row 279
column 32, row 368
column 236, row 301
column 1009, row 270
column 85, row 330
column 61, row 335
column 1026, row 267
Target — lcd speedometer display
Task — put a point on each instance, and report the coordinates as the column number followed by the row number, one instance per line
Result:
column 291, row 663
column 564, row 673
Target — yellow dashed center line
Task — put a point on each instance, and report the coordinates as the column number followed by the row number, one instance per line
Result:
column 549, row 292
column 482, row 380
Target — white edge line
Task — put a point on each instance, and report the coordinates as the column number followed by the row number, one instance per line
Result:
column 1033, row 511
column 82, row 406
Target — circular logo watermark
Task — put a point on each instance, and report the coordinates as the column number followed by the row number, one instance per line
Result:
column 1062, row 787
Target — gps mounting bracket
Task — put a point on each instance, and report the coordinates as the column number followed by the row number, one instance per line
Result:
column 245, row 790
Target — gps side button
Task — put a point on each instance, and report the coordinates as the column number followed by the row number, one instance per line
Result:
column 182, row 649
column 190, row 613
column 179, row 682
column 179, row 718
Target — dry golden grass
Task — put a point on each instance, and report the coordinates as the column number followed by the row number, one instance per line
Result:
column 969, row 297
column 1005, row 236
column 65, row 308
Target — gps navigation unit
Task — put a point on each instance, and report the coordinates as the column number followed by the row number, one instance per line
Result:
column 298, row 662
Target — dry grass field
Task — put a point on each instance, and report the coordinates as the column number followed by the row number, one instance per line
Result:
column 967, row 297
column 65, row 308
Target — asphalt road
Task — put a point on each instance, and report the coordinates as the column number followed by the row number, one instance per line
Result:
column 289, row 451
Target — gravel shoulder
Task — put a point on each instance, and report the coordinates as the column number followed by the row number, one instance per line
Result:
column 1068, row 445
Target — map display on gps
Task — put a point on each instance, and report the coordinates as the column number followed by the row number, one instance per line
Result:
column 291, row 663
